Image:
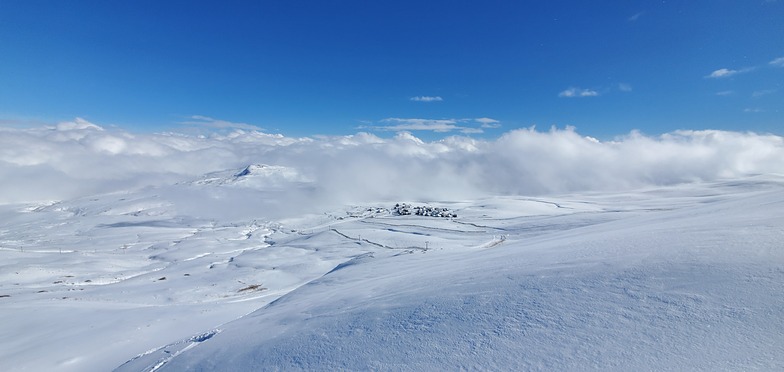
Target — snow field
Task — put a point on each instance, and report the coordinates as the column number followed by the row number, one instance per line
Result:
column 684, row 277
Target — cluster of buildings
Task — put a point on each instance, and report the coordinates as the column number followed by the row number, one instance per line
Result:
column 403, row 209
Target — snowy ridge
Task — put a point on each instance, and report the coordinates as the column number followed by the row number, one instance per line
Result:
column 153, row 360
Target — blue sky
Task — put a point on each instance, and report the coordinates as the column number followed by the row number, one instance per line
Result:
column 433, row 68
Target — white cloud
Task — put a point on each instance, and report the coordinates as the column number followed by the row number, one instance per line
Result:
column 635, row 17
column 623, row 87
column 725, row 93
column 779, row 62
column 720, row 73
column 78, row 123
column 578, row 92
column 427, row 99
column 753, row 110
column 82, row 160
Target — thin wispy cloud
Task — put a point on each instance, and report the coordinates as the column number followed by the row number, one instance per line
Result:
column 434, row 125
column 427, row 99
column 725, row 93
column 624, row 87
column 778, row 62
column 488, row 123
column 468, row 130
column 83, row 159
column 725, row 72
column 753, row 110
column 763, row 92
column 574, row 92
column 208, row 122
column 721, row 73
column 635, row 17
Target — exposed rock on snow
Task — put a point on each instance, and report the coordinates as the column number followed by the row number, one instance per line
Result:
column 266, row 171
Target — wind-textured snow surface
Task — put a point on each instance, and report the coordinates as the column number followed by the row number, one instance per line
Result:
column 197, row 276
column 675, row 279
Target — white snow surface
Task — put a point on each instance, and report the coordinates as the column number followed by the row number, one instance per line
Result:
column 200, row 276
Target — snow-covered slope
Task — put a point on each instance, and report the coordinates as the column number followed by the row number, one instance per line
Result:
column 695, row 287
column 224, row 276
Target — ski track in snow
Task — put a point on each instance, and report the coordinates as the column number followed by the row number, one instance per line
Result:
column 124, row 281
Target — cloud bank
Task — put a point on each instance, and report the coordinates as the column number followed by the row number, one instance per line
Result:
column 80, row 158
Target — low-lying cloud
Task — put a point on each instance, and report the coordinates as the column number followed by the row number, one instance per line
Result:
column 80, row 158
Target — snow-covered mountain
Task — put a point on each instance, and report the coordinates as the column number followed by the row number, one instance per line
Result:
column 221, row 274
column 254, row 175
